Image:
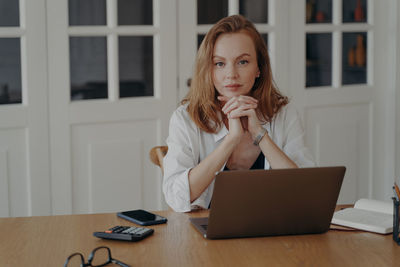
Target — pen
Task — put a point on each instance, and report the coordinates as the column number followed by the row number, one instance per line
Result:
column 395, row 194
column 397, row 191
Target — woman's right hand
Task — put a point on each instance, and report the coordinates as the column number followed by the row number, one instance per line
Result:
column 236, row 130
column 238, row 125
column 235, row 125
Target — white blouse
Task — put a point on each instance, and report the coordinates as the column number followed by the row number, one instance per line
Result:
column 188, row 145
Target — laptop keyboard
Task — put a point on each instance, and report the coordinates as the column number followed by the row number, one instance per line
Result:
column 204, row 226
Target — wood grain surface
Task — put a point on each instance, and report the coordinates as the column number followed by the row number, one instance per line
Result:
column 49, row 240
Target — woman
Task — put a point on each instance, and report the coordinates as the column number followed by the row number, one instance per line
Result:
column 232, row 118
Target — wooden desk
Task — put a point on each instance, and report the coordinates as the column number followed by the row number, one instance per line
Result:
column 49, row 240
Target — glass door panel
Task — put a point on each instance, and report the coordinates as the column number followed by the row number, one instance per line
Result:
column 318, row 11
column 88, row 12
column 210, row 11
column 88, row 67
column 135, row 53
column 87, row 54
column 318, row 59
column 9, row 13
column 348, row 42
column 255, row 10
column 135, row 66
column 10, row 71
column 354, row 58
column 354, row 11
column 94, row 50
column 10, row 53
column 135, row 12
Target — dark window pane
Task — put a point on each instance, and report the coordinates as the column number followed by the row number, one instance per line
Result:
column 210, row 11
column 135, row 12
column 354, row 58
column 318, row 59
column 10, row 71
column 135, row 66
column 318, row 11
column 255, row 10
column 9, row 13
column 355, row 11
column 200, row 38
column 87, row 12
column 88, row 67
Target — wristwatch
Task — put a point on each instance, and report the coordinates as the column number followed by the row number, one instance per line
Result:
column 260, row 136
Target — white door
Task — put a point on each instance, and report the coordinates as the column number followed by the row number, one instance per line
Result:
column 339, row 60
column 24, row 146
column 112, row 88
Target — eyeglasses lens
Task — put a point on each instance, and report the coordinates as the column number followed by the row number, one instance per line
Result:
column 101, row 256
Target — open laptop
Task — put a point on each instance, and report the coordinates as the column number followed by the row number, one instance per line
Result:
column 253, row 203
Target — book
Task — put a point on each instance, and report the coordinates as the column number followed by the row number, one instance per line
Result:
column 368, row 215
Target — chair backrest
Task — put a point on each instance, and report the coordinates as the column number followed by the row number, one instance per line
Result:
column 157, row 154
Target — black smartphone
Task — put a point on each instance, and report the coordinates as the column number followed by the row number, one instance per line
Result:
column 142, row 217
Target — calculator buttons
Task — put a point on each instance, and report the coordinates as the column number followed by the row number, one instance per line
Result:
column 129, row 233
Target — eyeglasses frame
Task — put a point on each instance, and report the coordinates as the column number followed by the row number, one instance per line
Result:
column 91, row 257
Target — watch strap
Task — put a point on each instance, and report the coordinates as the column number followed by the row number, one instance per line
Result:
column 260, row 135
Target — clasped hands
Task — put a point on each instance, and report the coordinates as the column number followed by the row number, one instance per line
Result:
column 241, row 114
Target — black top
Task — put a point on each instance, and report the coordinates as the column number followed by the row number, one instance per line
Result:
column 257, row 165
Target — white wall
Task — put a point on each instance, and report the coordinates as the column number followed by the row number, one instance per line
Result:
column 397, row 162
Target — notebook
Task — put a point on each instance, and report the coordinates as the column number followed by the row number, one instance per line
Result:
column 368, row 215
column 250, row 203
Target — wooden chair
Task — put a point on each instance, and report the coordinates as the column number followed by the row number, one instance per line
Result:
column 157, row 155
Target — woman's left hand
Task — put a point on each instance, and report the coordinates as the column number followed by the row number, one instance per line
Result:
column 243, row 107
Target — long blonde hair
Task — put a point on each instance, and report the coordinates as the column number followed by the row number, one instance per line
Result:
column 203, row 105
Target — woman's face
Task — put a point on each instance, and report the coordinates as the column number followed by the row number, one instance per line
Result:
column 234, row 64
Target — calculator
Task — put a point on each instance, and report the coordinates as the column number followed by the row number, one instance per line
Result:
column 127, row 233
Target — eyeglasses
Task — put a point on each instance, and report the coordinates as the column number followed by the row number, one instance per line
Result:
column 100, row 256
